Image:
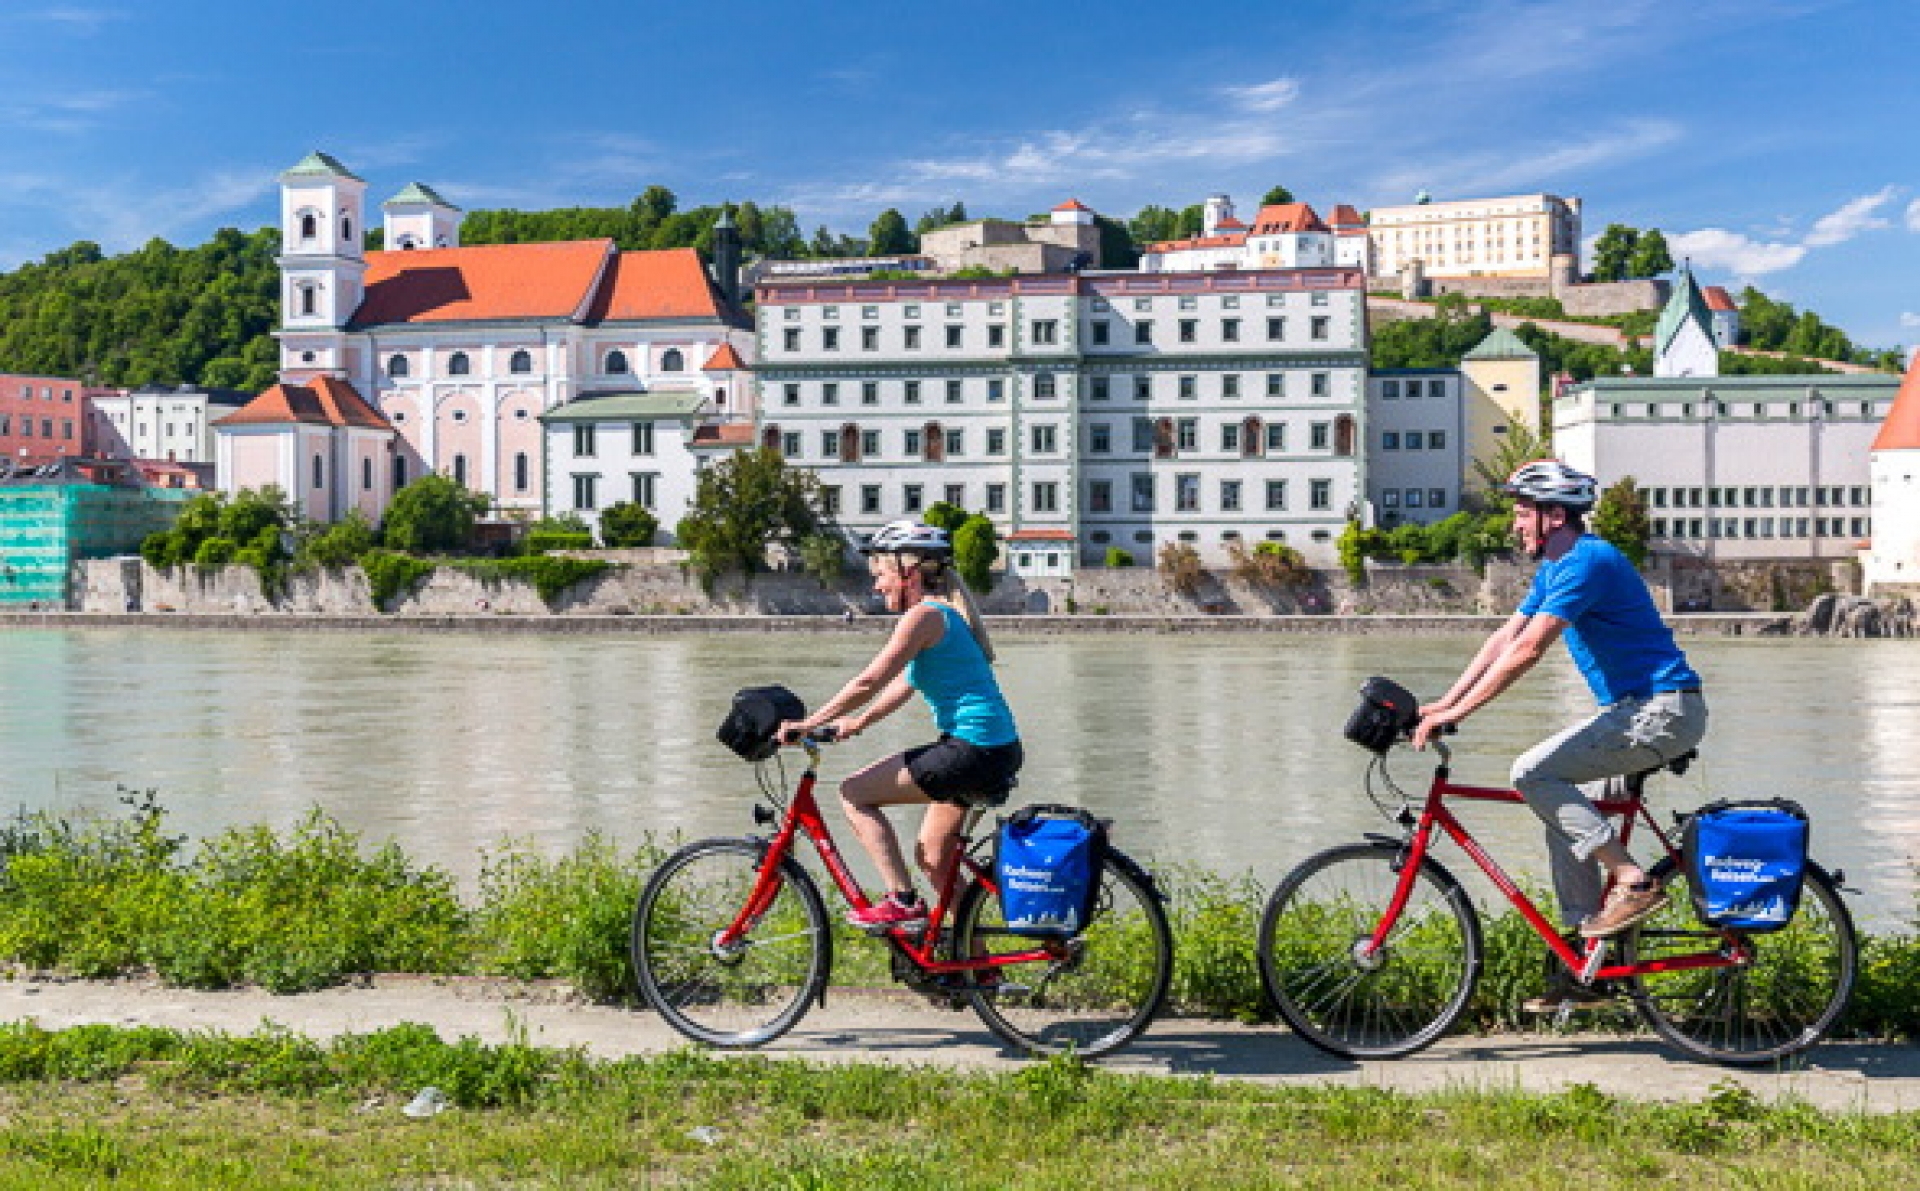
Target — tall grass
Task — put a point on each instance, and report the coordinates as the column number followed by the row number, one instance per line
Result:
column 315, row 905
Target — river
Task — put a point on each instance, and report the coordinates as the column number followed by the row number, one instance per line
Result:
column 1224, row 751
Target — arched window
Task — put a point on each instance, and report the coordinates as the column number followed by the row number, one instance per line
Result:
column 672, row 361
column 399, row 472
column 770, row 438
column 1163, row 438
column 366, row 475
column 458, row 364
column 1253, row 438
column 616, row 363
column 520, row 472
column 396, row 366
column 521, row 363
column 849, row 443
column 319, row 472
column 933, row 443
column 460, row 470
column 309, row 225
column 1343, row 435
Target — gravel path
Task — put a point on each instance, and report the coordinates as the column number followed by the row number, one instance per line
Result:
column 898, row 1028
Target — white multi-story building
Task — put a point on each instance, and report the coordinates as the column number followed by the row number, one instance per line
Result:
column 1123, row 409
column 1282, row 236
column 1735, row 467
column 1515, row 236
column 160, row 423
column 1416, row 444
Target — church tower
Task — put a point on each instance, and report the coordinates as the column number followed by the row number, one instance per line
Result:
column 419, row 218
column 1683, row 342
column 323, row 265
column 1892, row 563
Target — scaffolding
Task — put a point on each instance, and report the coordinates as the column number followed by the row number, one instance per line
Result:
column 55, row 516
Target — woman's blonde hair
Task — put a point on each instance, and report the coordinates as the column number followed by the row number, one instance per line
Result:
column 938, row 577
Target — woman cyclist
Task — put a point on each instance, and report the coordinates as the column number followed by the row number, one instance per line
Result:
column 939, row 648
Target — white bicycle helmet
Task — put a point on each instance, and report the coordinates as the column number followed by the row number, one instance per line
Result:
column 1551, row 482
column 910, row 537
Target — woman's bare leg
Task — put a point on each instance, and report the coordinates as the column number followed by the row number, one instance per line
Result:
column 881, row 784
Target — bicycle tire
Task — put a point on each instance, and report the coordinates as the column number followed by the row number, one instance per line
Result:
column 757, row 991
column 1096, row 994
column 1783, row 1002
column 1386, row 1005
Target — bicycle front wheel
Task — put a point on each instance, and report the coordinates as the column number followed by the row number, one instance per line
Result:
column 1093, row 993
column 744, row 993
column 1783, row 1000
column 1346, row 997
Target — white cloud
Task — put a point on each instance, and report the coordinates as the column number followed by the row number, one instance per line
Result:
column 1856, row 216
column 73, row 112
column 1909, row 319
column 1482, row 173
column 1264, row 97
column 1913, row 216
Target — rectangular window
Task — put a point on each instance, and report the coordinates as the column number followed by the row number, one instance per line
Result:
column 1046, row 498
column 1143, row 331
column 955, row 494
column 1142, row 388
column 645, row 488
column 996, row 389
column 913, row 338
column 583, row 443
column 1320, row 494
column 996, row 335
column 830, row 339
column 1142, row 435
column 1187, row 434
column 1099, row 388
column 911, row 392
column 1099, row 496
column 790, row 395
column 1321, row 325
column 1276, row 494
column 791, row 338
column 996, row 498
column 1142, row 492
column 869, row 498
column 1276, row 384
column 1390, row 390
column 1043, row 387
column 1319, row 298
column 869, row 339
column 1101, row 332
column 869, row 392
column 996, row 440
column 790, row 444
column 830, row 499
column 1229, row 496
column 829, row 444
column 1322, row 384
column 1046, row 330
column 1099, row 439
column 643, row 438
column 953, row 336
column 1230, row 386
column 956, row 442
column 1230, row 330
column 1436, row 440
column 953, row 392
column 910, row 498
column 1390, row 440
column 1189, row 388
column 1276, row 436
column 1415, row 498
column 869, row 443
column 1043, row 440
column 1230, row 437
column 912, row 445
column 1276, row 328
column 1390, row 498
column 1186, row 492
column 583, row 494
column 830, row 393
column 1319, row 436
column 1189, row 330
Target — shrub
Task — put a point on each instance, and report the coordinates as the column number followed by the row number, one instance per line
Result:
column 1269, row 564
column 434, row 513
column 1116, row 557
column 825, row 557
column 562, row 919
column 215, row 552
column 976, row 547
column 391, row 574
column 549, row 576
column 628, row 523
column 340, row 544
column 1180, row 567
column 539, row 541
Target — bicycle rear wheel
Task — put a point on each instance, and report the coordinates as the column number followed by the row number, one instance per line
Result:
column 1095, row 992
column 746, row 993
column 1350, row 1001
column 1784, row 1000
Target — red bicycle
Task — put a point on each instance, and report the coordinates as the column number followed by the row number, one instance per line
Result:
column 1372, row 950
column 732, row 943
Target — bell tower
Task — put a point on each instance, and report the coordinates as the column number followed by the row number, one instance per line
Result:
column 323, row 264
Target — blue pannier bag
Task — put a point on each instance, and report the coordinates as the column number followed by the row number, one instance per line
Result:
column 1745, row 862
column 1047, row 861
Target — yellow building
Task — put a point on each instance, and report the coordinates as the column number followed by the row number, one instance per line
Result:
column 1517, row 236
column 1500, row 390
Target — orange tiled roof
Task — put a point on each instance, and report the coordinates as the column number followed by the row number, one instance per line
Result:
column 487, row 281
column 1229, row 221
column 1901, row 430
column 724, row 359
column 727, row 434
column 1284, row 218
column 325, row 401
column 1073, row 204
column 1230, row 240
column 1041, row 535
column 669, row 283
column 1345, row 216
column 1718, row 298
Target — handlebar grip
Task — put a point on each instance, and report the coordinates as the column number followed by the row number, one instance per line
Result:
column 825, row 734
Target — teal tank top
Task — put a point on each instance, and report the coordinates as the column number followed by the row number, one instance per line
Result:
column 957, row 682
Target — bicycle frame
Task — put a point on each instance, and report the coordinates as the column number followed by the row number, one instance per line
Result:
column 1590, row 966
column 803, row 819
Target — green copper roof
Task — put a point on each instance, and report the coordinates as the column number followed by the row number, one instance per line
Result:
column 419, row 192
column 1686, row 303
column 626, row 407
column 1501, row 345
column 318, row 165
column 725, row 220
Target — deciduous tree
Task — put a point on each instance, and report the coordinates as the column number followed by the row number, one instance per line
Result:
column 742, row 505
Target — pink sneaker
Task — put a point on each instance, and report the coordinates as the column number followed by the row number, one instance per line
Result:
column 890, row 913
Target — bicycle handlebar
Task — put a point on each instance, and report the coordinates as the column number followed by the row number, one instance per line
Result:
column 820, row 735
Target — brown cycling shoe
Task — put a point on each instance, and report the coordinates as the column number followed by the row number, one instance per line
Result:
column 1627, row 905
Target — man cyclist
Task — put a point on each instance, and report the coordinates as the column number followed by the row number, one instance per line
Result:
column 1651, row 708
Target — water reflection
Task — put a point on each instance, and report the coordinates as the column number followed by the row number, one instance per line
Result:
column 1222, row 750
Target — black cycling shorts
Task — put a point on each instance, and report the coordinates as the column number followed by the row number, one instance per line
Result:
column 952, row 770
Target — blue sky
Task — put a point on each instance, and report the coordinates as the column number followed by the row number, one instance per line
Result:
column 1773, row 141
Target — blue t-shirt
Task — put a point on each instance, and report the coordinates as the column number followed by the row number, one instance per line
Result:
column 954, row 677
column 1614, row 632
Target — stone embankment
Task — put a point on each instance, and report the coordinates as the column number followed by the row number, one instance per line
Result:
column 1854, row 616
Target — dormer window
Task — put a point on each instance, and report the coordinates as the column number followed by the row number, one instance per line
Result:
column 616, row 363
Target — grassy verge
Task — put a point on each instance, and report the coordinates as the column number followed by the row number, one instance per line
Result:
column 306, row 908
column 152, row 1108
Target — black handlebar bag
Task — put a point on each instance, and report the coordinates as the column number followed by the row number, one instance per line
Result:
column 1387, row 712
column 755, row 718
